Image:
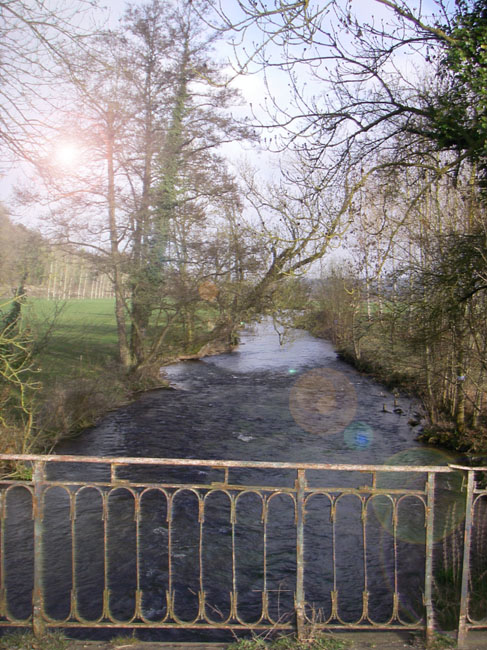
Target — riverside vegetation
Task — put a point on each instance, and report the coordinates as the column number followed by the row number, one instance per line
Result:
column 60, row 370
column 410, row 347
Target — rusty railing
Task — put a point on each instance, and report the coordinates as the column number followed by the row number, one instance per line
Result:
column 233, row 545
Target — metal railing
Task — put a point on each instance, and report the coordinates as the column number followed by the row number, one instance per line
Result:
column 233, row 545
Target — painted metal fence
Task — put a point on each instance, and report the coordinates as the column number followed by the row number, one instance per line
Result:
column 210, row 544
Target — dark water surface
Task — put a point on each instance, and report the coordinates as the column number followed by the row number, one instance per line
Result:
column 295, row 402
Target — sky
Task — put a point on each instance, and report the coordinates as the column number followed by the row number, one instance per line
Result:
column 252, row 88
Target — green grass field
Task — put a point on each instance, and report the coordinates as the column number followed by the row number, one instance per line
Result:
column 83, row 339
column 76, row 377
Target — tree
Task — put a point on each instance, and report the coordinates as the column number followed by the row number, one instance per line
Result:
column 448, row 302
column 23, row 255
column 17, row 379
column 151, row 114
column 296, row 225
column 189, row 174
column 463, row 122
column 404, row 74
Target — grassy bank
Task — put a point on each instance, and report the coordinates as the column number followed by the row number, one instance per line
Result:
column 369, row 347
column 78, row 373
column 82, row 339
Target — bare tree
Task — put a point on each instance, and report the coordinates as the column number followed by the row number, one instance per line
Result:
column 359, row 82
column 150, row 112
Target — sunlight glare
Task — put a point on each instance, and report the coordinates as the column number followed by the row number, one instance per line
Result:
column 67, row 153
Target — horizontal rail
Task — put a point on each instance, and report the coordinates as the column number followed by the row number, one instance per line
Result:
column 249, row 464
column 123, row 483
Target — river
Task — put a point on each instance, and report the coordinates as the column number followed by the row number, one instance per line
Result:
column 269, row 400
column 264, row 401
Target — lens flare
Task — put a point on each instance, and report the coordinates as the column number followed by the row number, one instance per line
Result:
column 67, row 153
column 410, row 510
column 323, row 401
column 358, row 435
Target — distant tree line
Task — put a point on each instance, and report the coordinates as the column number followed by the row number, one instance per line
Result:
column 45, row 270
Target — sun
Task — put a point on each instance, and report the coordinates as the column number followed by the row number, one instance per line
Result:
column 67, row 153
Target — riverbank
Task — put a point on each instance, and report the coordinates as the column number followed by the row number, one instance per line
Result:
column 440, row 433
column 74, row 376
column 477, row 640
column 390, row 358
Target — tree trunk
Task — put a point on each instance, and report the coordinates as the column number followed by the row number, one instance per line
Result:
column 123, row 348
column 141, row 298
column 460, row 381
column 432, row 402
column 149, row 251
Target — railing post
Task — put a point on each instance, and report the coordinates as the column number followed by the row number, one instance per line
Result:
column 38, row 478
column 467, row 538
column 300, row 514
column 428, row 587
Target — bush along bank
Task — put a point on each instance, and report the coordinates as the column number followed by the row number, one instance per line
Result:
column 384, row 346
column 58, row 370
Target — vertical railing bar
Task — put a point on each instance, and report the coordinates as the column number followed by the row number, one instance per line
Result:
column 72, row 514
column 138, row 591
column 265, row 603
column 334, row 593
column 395, row 515
column 467, row 538
column 3, row 514
column 233, row 517
column 428, row 586
column 365, row 594
column 201, row 519
column 106, row 590
column 300, row 514
column 169, row 555
column 38, row 478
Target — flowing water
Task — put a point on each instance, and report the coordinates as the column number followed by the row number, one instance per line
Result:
column 295, row 402
column 261, row 402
